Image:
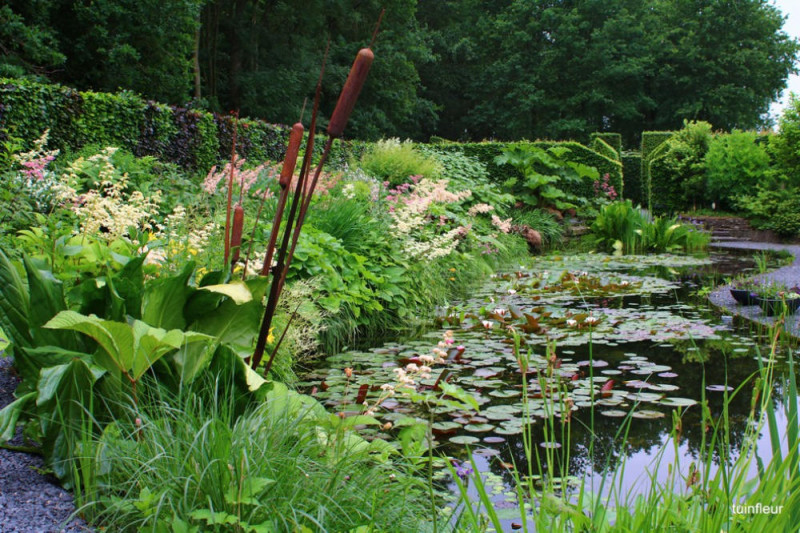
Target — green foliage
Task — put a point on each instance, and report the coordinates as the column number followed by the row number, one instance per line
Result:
column 622, row 228
column 635, row 190
column 785, row 147
column 468, row 173
column 735, row 166
column 283, row 465
column 192, row 139
column 546, row 175
column 677, row 169
column 614, row 140
column 562, row 70
column 29, row 49
column 544, row 222
column 770, row 205
column 600, row 146
column 394, row 161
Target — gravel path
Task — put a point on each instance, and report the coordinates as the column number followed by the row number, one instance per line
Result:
column 789, row 275
column 30, row 502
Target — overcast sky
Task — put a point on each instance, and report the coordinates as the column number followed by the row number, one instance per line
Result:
column 790, row 8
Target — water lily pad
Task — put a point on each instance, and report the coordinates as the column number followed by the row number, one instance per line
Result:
column 678, row 402
column 719, row 388
column 648, row 414
column 614, row 413
column 667, row 375
column 446, row 426
column 479, row 428
column 493, row 440
column 464, row 439
column 644, row 397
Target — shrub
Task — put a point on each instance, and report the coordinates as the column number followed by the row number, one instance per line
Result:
column 394, row 161
column 677, row 169
column 622, row 228
column 542, row 221
column 785, row 147
column 546, row 176
column 487, row 152
column 735, row 165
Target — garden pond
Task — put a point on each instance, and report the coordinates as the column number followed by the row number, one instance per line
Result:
column 612, row 342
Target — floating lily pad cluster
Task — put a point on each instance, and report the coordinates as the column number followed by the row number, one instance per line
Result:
column 539, row 306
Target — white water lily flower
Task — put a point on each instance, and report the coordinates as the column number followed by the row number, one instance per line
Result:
column 487, row 324
column 572, row 323
column 512, row 291
column 591, row 319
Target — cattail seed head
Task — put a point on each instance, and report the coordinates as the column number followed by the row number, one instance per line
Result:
column 290, row 161
column 236, row 232
column 352, row 88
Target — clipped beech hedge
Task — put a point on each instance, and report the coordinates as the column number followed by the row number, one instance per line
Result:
column 193, row 139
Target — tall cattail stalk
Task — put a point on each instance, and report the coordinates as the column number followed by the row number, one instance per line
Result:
column 305, row 189
column 230, row 192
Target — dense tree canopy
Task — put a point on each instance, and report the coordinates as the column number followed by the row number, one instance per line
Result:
column 464, row 69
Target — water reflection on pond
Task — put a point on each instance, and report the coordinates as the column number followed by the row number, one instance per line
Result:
column 612, row 342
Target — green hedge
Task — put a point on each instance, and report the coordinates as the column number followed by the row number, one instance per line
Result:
column 614, row 140
column 652, row 145
column 632, row 173
column 191, row 138
column 602, row 147
column 486, row 152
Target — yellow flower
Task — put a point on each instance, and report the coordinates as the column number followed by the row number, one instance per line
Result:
column 452, row 270
column 192, row 251
column 271, row 337
column 452, row 279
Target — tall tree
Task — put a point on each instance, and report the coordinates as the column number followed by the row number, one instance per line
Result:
column 263, row 58
column 565, row 68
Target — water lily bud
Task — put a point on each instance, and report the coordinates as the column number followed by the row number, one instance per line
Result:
column 352, row 88
column 290, row 161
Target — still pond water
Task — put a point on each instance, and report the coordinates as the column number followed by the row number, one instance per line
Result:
column 625, row 335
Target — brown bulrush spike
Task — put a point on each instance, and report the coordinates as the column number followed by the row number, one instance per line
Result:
column 352, row 88
column 290, row 161
column 236, row 233
column 230, row 190
column 287, row 171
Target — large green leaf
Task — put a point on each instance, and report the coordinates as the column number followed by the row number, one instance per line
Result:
column 65, row 407
column 115, row 338
column 47, row 296
column 14, row 304
column 236, row 325
column 164, row 299
column 10, row 414
column 133, row 348
column 29, row 361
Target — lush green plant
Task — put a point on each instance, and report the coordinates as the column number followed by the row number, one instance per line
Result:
column 465, row 172
column 774, row 208
column 544, row 222
column 394, row 161
column 545, row 176
column 783, row 147
column 621, row 228
column 735, row 165
column 677, row 169
column 193, row 461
